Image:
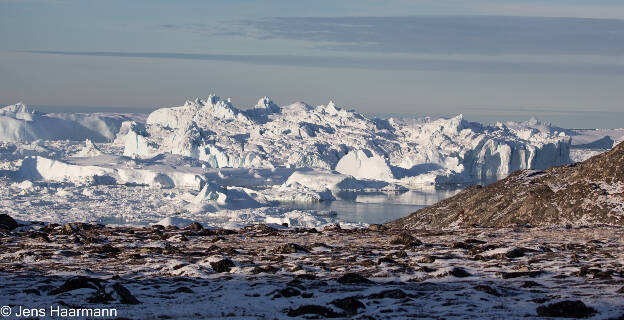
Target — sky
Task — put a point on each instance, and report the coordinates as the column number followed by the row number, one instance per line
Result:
column 561, row 61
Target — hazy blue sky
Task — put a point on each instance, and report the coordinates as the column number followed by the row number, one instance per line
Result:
column 488, row 59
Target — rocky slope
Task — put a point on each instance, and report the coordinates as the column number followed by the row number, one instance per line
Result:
column 586, row 193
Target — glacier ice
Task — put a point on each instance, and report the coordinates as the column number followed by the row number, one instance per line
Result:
column 403, row 151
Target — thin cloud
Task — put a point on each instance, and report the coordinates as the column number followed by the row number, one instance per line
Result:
column 395, row 64
column 484, row 35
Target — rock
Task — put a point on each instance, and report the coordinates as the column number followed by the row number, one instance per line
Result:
column 487, row 289
column 334, row 227
column 459, row 272
column 291, row 248
column 267, row 269
column 178, row 238
column 386, row 260
column 566, row 309
column 78, row 282
column 621, row 290
column 530, row 284
column 195, row 226
column 353, row 278
column 6, row 222
column 100, row 297
column 76, row 227
column 182, row 290
column 107, row 248
column 125, row 297
column 306, row 276
column 518, row 274
column 32, row 291
column 405, row 239
column 264, row 228
column 389, row 294
column 461, row 245
column 289, row 292
column 515, row 253
column 377, row 227
column 475, row 241
column 314, row 309
column 350, row 305
column 224, row 265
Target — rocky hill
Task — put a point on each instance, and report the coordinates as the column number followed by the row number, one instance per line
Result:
column 586, row 193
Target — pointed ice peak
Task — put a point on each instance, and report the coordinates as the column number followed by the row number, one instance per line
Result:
column 533, row 121
column 89, row 150
column 268, row 104
column 210, row 192
column 213, row 98
column 19, row 107
column 331, row 108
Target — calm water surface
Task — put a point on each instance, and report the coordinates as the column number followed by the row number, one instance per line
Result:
column 377, row 207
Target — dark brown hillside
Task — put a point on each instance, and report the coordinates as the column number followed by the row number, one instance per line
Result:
column 591, row 192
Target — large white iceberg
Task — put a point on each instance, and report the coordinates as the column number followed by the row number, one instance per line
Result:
column 409, row 152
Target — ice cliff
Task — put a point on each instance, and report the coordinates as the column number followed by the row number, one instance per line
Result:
column 408, row 152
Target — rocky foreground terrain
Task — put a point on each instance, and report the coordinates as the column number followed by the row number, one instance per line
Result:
column 586, row 193
column 265, row 272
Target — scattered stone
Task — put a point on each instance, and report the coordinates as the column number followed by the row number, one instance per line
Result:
column 78, row 282
column 315, row 309
column 224, row 265
column 519, row 274
column 105, row 249
column 386, row 260
column 267, row 269
column 475, row 241
column 264, row 228
column 32, row 291
column 195, row 226
column 515, row 253
column 125, row 297
column 182, row 290
column 101, row 297
column 389, row 294
column 487, row 289
column 178, row 238
column 289, row 292
column 334, row 227
column 530, row 284
column 566, row 309
column 353, row 278
column 459, row 272
column 405, row 239
column 461, row 245
column 350, row 305
column 6, row 222
column 306, row 276
column 291, row 248
column 377, row 227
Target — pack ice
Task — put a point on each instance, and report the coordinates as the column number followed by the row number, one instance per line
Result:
column 223, row 161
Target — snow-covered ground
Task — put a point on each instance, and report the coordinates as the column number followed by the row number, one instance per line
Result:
column 211, row 162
